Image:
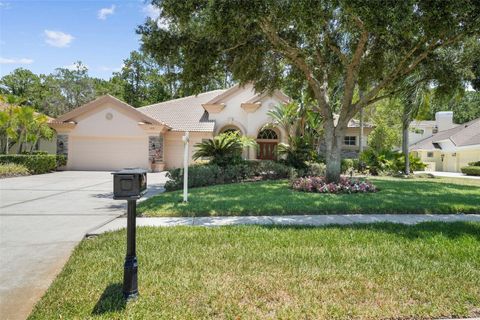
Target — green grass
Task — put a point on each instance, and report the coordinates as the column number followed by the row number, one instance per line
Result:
column 396, row 195
column 430, row 270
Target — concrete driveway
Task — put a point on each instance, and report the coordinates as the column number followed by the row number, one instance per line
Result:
column 42, row 218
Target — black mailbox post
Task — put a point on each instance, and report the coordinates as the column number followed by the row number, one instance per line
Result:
column 130, row 185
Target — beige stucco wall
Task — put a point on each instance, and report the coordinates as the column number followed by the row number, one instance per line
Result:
column 234, row 114
column 99, row 143
column 174, row 147
column 249, row 123
column 452, row 161
column 466, row 156
column 434, row 163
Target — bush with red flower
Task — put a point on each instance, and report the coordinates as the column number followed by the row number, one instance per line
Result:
column 320, row 185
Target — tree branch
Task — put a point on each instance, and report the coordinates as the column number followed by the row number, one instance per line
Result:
column 352, row 73
column 401, row 70
column 295, row 55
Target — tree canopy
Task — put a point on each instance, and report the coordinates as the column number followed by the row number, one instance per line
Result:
column 332, row 48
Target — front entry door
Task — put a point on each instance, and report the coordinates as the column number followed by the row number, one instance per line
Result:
column 267, row 150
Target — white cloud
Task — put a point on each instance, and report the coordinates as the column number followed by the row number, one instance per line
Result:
column 15, row 61
column 104, row 12
column 154, row 13
column 151, row 11
column 57, row 38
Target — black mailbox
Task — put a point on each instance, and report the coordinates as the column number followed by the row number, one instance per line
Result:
column 129, row 184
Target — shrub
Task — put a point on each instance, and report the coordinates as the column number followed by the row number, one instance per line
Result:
column 211, row 174
column 12, row 170
column 347, row 165
column 388, row 162
column 320, row 185
column 471, row 170
column 312, row 169
column 271, row 170
column 61, row 160
column 474, row 164
column 36, row 164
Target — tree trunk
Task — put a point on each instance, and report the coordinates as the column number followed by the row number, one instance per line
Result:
column 405, row 148
column 7, row 145
column 360, row 140
column 333, row 157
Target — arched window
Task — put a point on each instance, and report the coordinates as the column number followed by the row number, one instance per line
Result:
column 267, row 134
column 231, row 130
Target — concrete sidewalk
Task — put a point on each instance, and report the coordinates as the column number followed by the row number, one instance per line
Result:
column 312, row 220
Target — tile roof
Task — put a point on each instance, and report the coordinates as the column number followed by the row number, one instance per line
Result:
column 466, row 134
column 184, row 114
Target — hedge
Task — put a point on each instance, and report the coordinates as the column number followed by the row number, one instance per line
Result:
column 35, row 163
column 474, row 164
column 211, row 174
column 471, row 170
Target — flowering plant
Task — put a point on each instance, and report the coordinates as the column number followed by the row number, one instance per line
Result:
column 345, row 185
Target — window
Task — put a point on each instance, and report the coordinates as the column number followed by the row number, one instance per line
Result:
column 267, row 134
column 350, row 141
column 429, row 154
column 231, row 130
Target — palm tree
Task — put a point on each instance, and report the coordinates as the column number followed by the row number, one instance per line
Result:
column 26, row 118
column 39, row 130
column 302, row 127
column 223, row 149
column 416, row 97
column 9, row 118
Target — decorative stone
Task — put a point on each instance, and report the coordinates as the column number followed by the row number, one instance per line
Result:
column 155, row 148
column 62, row 144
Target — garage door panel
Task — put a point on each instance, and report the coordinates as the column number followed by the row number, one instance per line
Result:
column 107, row 153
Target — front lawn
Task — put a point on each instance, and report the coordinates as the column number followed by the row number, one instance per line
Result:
column 430, row 270
column 396, row 195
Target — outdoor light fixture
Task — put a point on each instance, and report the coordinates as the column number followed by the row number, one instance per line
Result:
column 130, row 185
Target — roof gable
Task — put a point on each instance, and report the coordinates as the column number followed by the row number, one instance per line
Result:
column 463, row 135
column 99, row 103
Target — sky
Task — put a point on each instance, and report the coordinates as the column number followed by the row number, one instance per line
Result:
column 44, row 35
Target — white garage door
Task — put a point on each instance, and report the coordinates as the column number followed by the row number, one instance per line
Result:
column 86, row 153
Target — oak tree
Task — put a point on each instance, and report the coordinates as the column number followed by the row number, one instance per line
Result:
column 332, row 45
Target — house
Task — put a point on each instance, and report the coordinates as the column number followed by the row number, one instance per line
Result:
column 108, row 134
column 420, row 130
column 351, row 142
column 450, row 149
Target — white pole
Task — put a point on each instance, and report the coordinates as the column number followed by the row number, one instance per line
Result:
column 185, row 167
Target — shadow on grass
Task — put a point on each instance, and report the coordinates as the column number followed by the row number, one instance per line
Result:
column 111, row 300
column 422, row 230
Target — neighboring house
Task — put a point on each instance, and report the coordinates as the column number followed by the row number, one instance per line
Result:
column 108, row 134
column 351, row 141
column 49, row 146
column 420, row 130
column 450, row 149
